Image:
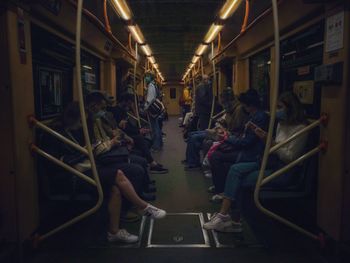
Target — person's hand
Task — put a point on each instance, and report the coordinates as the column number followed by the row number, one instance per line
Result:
column 260, row 133
column 122, row 124
column 144, row 131
column 115, row 142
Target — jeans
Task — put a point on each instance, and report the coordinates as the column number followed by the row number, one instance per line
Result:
column 220, row 165
column 194, row 144
column 245, row 175
column 156, row 133
column 238, row 173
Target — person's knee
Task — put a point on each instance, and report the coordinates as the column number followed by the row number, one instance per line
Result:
column 115, row 191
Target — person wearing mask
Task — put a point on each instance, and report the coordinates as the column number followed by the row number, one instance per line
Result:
column 245, row 147
column 120, row 114
column 113, row 142
column 113, row 180
column 203, row 102
column 291, row 119
column 231, row 123
column 152, row 93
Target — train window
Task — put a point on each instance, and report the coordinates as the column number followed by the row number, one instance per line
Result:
column 53, row 63
column 90, row 72
column 259, row 74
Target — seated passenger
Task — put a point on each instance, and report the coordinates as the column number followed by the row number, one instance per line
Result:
column 233, row 122
column 120, row 114
column 246, row 147
column 291, row 119
column 117, row 144
column 113, row 180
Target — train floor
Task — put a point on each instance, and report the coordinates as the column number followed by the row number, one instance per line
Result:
column 179, row 237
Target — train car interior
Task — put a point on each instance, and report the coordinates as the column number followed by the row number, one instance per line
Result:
column 175, row 131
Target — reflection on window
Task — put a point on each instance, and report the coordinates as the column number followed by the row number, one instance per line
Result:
column 259, row 69
column 90, row 71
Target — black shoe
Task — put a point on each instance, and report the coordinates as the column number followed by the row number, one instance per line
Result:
column 158, row 169
column 184, row 161
column 150, row 189
column 148, row 197
column 192, row 167
column 152, row 182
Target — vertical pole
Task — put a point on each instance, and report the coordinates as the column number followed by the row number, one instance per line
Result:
column 202, row 67
column 213, row 86
column 135, row 92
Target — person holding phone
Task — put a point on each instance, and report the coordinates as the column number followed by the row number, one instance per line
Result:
column 120, row 114
column 244, row 147
column 291, row 119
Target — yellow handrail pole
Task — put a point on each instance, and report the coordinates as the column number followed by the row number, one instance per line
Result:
column 221, row 113
column 202, row 66
column 213, row 86
column 34, row 122
column 135, row 118
column 86, row 134
column 299, row 133
column 62, row 164
column 270, row 131
column 291, row 165
column 135, row 92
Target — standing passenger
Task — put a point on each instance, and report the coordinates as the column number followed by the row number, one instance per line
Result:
column 203, row 97
column 151, row 96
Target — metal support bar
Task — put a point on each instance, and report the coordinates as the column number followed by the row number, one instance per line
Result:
column 35, row 122
column 86, row 136
column 62, row 164
column 296, row 135
column 218, row 115
column 291, row 165
column 213, row 87
column 270, row 131
column 135, row 118
column 135, row 93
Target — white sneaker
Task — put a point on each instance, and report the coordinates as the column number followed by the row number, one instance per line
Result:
column 217, row 198
column 154, row 212
column 223, row 223
column 208, row 174
column 122, row 236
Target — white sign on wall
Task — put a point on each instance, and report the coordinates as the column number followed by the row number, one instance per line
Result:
column 335, row 32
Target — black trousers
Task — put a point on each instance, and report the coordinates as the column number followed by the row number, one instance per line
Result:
column 203, row 121
column 143, row 147
column 220, row 165
column 140, row 161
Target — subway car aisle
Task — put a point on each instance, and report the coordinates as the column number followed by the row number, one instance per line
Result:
column 183, row 194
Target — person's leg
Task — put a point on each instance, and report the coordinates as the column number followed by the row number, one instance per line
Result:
column 236, row 175
column 141, row 144
column 220, row 164
column 129, row 193
column 156, row 134
column 114, row 207
column 142, row 162
column 128, row 190
column 203, row 121
column 193, row 148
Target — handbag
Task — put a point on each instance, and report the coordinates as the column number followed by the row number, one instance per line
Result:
column 115, row 155
column 156, row 108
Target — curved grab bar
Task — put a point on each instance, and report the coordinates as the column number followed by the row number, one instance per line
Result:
column 261, row 180
column 95, row 176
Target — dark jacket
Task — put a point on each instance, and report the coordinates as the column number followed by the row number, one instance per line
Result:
column 249, row 145
column 203, row 99
column 120, row 114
